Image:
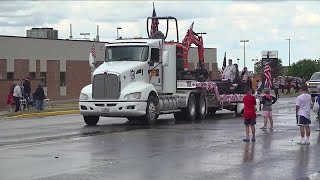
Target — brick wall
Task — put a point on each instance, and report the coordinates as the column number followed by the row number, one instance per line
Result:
column 53, row 79
column 21, row 68
column 38, row 69
column 78, row 75
column 3, row 69
column 215, row 73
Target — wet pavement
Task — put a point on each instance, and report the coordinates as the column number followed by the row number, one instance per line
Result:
column 62, row 147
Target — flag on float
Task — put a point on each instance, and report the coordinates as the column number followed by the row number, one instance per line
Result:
column 155, row 22
column 224, row 63
column 92, row 56
column 267, row 73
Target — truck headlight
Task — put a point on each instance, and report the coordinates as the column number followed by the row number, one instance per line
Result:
column 83, row 96
column 131, row 96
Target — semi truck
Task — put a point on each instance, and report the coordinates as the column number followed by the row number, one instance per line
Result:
column 142, row 78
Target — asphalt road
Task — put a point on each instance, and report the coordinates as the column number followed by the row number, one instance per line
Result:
column 62, row 147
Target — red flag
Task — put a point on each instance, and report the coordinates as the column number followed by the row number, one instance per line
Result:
column 155, row 22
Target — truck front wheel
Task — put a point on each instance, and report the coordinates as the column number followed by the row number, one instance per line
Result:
column 91, row 120
column 152, row 111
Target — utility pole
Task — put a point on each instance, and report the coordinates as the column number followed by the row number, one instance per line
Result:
column 289, row 50
column 118, row 28
column 244, row 51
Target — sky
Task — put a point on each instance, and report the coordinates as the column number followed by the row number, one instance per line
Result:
column 266, row 24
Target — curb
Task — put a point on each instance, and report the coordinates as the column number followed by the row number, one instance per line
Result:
column 41, row 114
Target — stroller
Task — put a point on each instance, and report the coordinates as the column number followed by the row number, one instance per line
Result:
column 31, row 103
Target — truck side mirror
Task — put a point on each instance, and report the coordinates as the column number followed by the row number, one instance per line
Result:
column 165, row 58
column 155, row 55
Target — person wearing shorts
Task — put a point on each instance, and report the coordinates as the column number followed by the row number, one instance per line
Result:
column 267, row 101
column 303, row 114
column 249, row 114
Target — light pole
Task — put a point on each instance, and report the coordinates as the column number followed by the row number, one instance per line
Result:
column 118, row 28
column 289, row 50
column 244, row 51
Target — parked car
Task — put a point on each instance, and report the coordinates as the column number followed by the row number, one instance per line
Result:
column 313, row 83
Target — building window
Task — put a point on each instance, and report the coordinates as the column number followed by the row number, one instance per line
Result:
column 43, row 78
column 32, row 75
column 10, row 76
column 62, row 78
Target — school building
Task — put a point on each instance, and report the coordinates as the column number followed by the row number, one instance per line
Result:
column 62, row 65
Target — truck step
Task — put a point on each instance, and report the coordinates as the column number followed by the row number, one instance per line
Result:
column 169, row 111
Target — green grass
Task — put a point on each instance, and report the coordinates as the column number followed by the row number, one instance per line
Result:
column 10, row 114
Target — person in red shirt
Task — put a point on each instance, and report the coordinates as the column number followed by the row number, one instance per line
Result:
column 249, row 114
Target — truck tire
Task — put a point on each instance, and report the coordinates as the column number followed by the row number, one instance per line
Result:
column 152, row 111
column 91, row 120
column 201, row 108
column 190, row 111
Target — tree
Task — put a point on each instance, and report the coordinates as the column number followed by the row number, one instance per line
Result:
column 276, row 69
column 304, row 68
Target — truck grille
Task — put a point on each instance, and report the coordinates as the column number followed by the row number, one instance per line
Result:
column 106, row 86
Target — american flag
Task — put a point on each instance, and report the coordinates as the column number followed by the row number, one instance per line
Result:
column 155, row 22
column 267, row 73
column 224, row 63
column 93, row 51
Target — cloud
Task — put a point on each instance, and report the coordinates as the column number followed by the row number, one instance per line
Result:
column 30, row 13
column 266, row 24
column 305, row 17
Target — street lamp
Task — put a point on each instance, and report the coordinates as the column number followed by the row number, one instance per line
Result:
column 289, row 50
column 244, row 51
column 118, row 28
column 238, row 60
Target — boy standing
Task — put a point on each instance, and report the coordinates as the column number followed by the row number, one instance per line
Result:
column 303, row 114
column 249, row 114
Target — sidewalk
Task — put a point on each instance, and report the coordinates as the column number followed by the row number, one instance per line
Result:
column 57, row 108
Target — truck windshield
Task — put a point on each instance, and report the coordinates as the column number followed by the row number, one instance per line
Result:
column 315, row 76
column 127, row 53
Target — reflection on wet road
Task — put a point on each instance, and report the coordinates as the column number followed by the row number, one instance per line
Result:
column 63, row 148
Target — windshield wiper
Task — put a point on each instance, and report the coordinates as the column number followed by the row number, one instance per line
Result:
column 121, row 59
